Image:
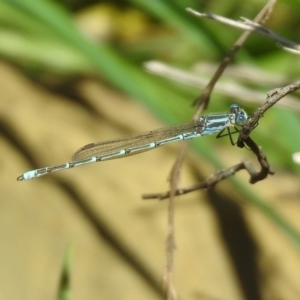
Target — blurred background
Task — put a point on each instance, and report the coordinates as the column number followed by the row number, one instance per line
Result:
column 73, row 72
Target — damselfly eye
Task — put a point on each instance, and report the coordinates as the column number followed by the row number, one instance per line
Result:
column 234, row 108
column 241, row 119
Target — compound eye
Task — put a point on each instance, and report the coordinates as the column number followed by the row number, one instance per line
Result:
column 234, row 108
column 241, row 119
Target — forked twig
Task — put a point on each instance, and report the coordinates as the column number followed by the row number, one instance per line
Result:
column 272, row 97
column 252, row 26
column 202, row 103
column 262, row 16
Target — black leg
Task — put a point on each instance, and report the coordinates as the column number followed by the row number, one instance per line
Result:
column 229, row 133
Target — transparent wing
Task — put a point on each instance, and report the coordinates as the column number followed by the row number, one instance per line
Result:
column 153, row 136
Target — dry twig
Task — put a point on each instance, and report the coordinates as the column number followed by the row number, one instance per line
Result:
column 253, row 27
column 260, row 18
column 233, row 89
column 202, row 103
column 244, row 139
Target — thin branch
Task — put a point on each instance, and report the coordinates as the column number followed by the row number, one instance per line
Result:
column 171, row 243
column 252, row 26
column 220, row 175
column 262, row 159
column 210, row 182
column 175, row 174
column 272, row 98
column 230, row 89
column 260, row 18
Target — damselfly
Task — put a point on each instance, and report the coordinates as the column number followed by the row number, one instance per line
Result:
column 131, row 145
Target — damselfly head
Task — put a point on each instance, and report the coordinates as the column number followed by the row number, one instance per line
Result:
column 234, row 108
column 241, row 115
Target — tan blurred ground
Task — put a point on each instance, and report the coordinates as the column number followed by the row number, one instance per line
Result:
column 40, row 218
